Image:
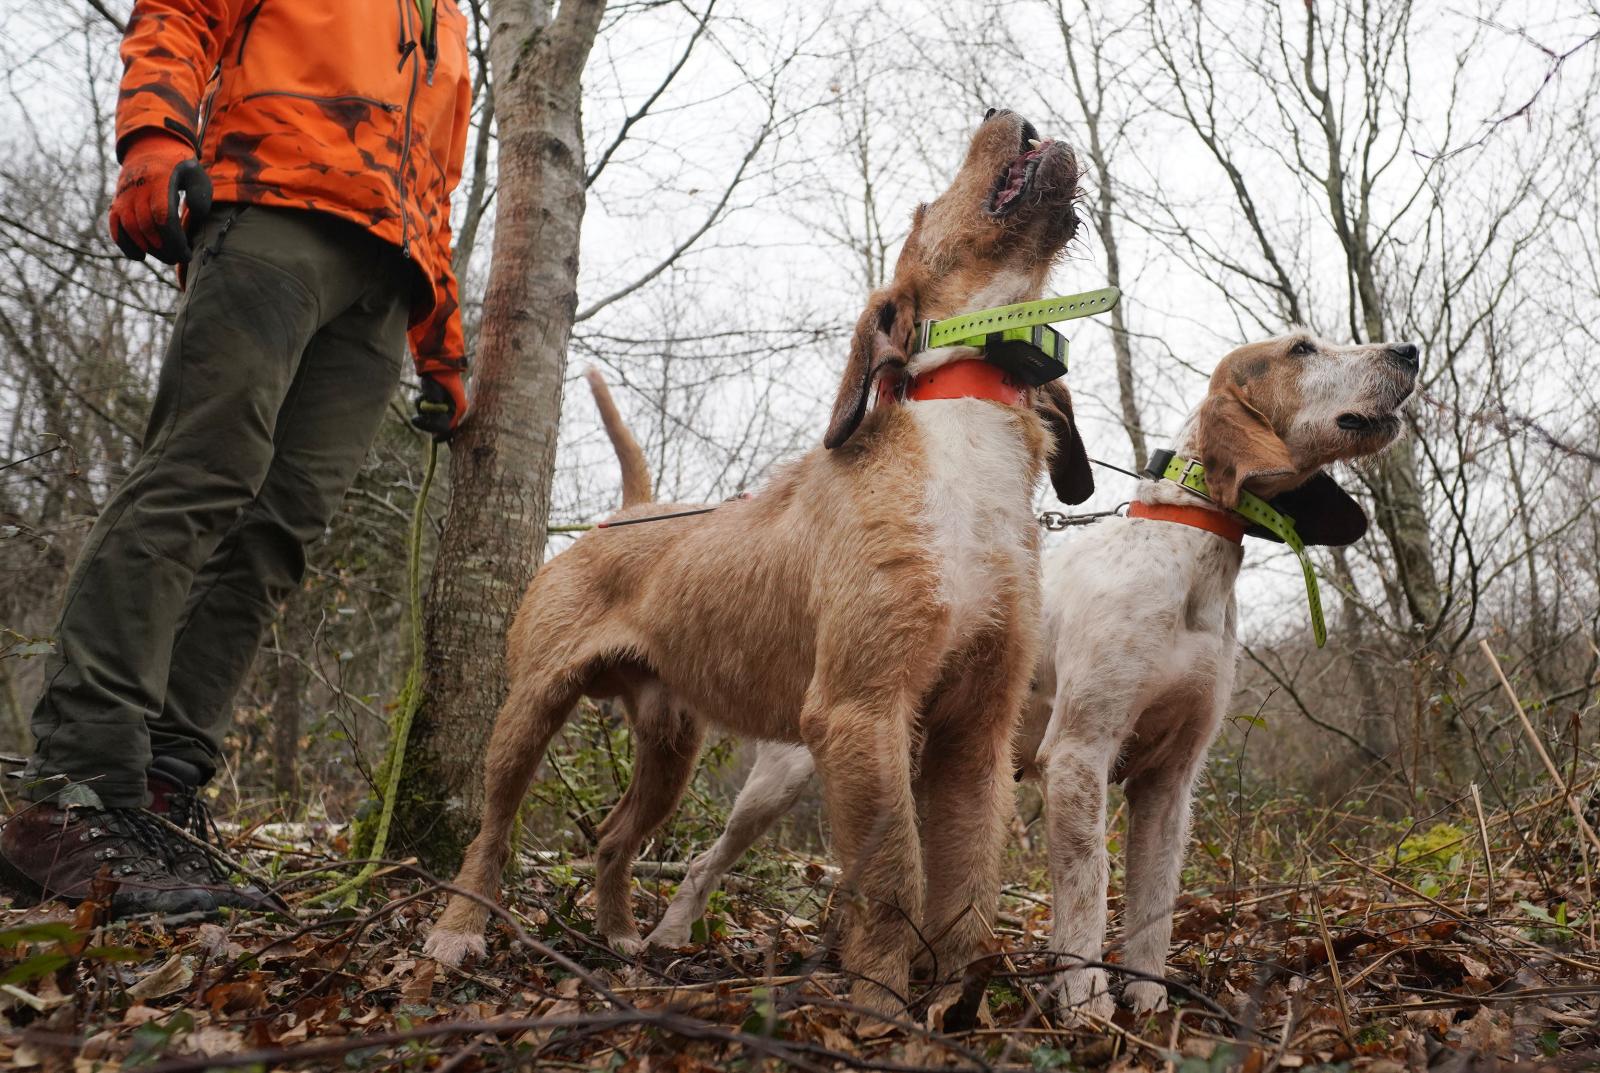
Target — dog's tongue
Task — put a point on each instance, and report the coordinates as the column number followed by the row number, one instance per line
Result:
column 1018, row 173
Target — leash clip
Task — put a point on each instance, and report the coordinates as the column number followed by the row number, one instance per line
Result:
column 1053, row 520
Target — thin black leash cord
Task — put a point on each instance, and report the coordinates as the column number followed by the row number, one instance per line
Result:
column 1052, row 520
column 1119, row 469
column 36, row 454
column 656, row 517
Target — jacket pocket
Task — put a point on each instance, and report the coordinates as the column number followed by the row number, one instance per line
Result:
column 315, row 98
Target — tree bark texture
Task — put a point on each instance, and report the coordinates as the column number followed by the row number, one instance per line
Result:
column 502, row 461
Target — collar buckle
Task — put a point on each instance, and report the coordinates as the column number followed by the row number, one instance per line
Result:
column 1188, row 471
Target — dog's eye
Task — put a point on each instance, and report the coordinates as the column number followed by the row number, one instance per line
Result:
column 990, row 114
column 1302, row 347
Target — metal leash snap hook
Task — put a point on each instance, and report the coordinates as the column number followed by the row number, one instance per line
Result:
column 1053, row 520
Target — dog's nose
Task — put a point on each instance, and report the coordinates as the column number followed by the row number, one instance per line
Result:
column 1406, row 355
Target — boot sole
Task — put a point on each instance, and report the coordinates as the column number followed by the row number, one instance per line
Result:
column 27, row 893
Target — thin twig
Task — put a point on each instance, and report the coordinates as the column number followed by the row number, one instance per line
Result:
column 1339, row 995
column 1483, row 833
column 1538, row 746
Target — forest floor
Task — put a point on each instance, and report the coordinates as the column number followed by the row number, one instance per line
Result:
column 1430, row 945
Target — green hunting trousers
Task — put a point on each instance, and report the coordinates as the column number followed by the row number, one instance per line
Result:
column 284, row 354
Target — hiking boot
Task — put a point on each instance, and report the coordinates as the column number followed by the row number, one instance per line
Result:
column 51, row 851
column 175, row 797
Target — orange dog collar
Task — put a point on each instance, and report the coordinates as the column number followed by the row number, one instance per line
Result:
column 1225, row 526
column 970, row 378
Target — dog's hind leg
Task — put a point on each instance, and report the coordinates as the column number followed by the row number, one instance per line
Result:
column 1158, row 837
column 538, row 706
column 777, row 779
column 667, row 742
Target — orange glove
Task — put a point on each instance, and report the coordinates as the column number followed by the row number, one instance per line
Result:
column 144, row 215
column 441, row 403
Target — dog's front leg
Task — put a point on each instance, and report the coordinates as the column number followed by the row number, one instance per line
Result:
column 862, row 748
column 1075, row 770
column 966, row 795
column 779, row 776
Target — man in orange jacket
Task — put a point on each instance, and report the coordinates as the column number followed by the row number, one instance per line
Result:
column 315, row 147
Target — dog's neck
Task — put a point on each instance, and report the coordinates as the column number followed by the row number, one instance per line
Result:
column 1227, row 554
column 1166, row 493
column 1006, row 288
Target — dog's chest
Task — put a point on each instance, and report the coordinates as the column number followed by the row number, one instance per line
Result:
column 977, row 506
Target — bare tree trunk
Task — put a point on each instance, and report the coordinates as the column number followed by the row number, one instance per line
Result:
column 503, row 459
column 1400, row 510
column 1092, row 105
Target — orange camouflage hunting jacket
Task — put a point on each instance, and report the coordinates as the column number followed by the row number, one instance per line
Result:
column 342, row 106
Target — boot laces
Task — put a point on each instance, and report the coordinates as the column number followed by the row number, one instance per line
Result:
column 130, row 836
column 188, row 812
column 198, row 859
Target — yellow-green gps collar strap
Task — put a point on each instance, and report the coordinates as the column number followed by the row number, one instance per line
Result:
column 1018, row 337
column 1191, row 475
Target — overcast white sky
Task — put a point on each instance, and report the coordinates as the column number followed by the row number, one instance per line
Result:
column 925, row 73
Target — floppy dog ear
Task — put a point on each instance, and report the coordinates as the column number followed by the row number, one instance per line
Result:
column 1323, row 512
column 1237, row 444
column 883, row 339
column 1069, row 462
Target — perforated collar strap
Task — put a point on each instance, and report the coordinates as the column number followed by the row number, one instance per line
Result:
column 1191, row 475
column 1018, row 337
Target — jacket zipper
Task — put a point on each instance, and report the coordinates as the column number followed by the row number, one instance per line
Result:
column 249, row 25
column 385, row 105
column 405, row 140
column 208, row 102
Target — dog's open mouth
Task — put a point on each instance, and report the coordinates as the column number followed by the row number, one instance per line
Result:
column 1016, row 179
column 1368, row 424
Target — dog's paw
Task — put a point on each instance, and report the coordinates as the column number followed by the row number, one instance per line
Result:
column 1145, row 996
column 453, row 947
column 627, row 944
column 670, row 934
column 1085, row 991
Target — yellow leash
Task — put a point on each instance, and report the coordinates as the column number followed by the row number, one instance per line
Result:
column 410, row 695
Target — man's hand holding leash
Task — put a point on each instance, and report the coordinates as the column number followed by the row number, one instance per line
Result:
column 441, row 404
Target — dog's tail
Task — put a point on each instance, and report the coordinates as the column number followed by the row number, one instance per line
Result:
column 635, row 473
